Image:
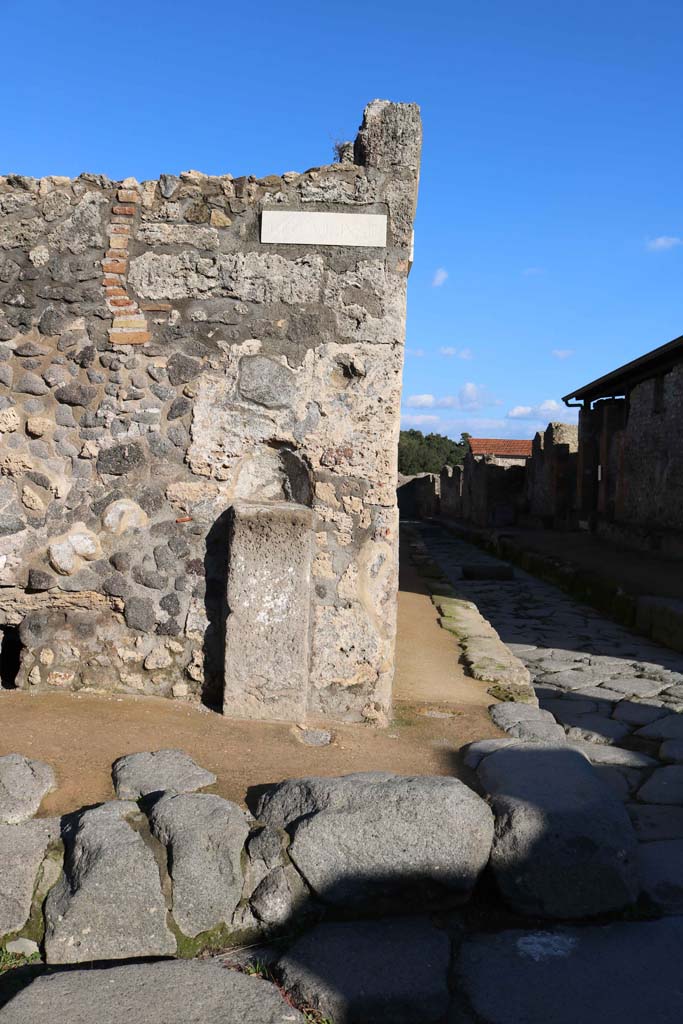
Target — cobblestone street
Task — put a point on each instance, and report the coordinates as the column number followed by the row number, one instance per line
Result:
column 617, row 696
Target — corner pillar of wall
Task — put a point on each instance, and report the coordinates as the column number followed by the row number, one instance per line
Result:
column 267, row 639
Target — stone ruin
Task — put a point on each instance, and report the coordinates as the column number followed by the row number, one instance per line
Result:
column 200, row 384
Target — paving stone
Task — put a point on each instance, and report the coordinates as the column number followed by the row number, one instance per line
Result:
column 167, row 992
column 622, row 973
column 634, row 686
column 603, row 753
column 671, row 750
column 668, row 728
column 369, row 836
column 371, row 972
column 564, row 846
column 156, row 771
column 637, row 714
column 665, row 786
column 594, row 728
column 23, row 784
column 108, row 904
column 558, row 707
column 603, row 694
column 204, row 836
column 656, row 821
column 477, row 751
column 615, row 779
column 661, row 874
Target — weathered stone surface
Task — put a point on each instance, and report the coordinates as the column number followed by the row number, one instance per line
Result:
column 22, row 849
column 360, row 837
column 156, row 771
column 564, row 846
column 268, row 594
column 168, row 992
column 23, row 784
column 108, row 904
column 76, row 394
column 280, row 897
column 671, row 750
column 559, row 974
column 668, row 728
column 379, row 972
column 653, row 822
column 204, row 836
column 266, row 382
column 526, row 722
column 181, row 368
column 120, row 458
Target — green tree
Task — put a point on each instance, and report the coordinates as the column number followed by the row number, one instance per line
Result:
column 428, row 453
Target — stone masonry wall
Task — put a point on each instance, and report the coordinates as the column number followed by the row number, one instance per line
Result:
column 158, row 363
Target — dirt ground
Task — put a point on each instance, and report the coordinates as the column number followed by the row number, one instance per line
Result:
column 437, row 710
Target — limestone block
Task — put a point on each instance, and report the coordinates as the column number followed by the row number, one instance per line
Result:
column 268, row 596
column 123, row 515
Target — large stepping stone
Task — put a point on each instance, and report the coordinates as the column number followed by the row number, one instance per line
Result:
column 359, row 838
column 156, row 771
column 393, row 971
column 23, row 784
column 669, row 728
column 526, row 722
column 204, row 836
column 625, row 973
column 168, row 992
column 108, row 904
column 22, row 850
column 564, row 845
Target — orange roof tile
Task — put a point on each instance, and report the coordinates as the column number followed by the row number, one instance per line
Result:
column 500, row 446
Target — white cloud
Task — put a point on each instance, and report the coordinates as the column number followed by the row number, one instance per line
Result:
column 563, row 353
column 461, row 353
column 469, row 396
column 664, row 242
column 420, row 401
column 417, row 353
column 440, row 276
column 418, row 420
column 546, row 408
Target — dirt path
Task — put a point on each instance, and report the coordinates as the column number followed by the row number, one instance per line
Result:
column 81, row 734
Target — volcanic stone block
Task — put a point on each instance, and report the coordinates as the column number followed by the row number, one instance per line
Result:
column 22, row 849
column 204, row 835
column 379, row 972
column 175, row 992
column 564, row 845
column 108, row 904
column 23, row 784
column 560, row 974
column 365, row 837
column 268, row 596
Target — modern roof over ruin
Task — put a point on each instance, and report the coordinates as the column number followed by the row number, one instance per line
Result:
column 503, row 446
column 621, row 381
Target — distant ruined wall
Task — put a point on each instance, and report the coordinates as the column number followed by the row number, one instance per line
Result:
column 170, row 351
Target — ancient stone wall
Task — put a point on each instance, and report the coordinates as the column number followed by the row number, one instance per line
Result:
column 651, row 460
column 170, row 349
column 551, row 474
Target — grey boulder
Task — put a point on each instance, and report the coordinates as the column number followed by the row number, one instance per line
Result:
column 661, row 874
column 564, row 845
column 23, row 784
column 526, row 722
column 156, row 771
column 393, row 971
column 624, row 973
column 363, row 837
column 168, row 992
column 204, row 836
column 108, row 904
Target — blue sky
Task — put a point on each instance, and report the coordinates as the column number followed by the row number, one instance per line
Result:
column 549, row 235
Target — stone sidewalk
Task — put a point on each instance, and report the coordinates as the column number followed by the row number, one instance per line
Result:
column 617, row 696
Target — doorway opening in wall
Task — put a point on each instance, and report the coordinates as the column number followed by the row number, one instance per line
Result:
column 10, row 657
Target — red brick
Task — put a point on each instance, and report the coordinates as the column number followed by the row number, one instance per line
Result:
column 114, row 266
column 129, row 337
column 123, row 210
